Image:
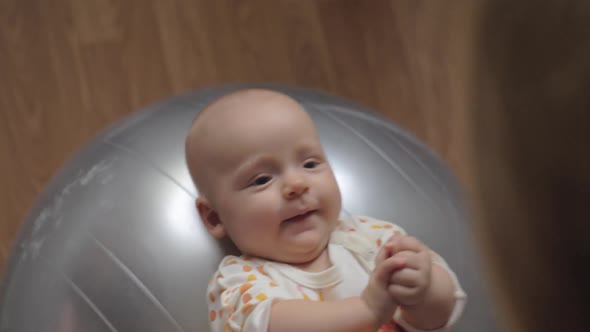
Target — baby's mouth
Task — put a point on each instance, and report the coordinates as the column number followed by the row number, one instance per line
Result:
column 301, row 217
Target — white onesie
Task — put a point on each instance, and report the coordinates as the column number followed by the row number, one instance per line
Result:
column 242, row 290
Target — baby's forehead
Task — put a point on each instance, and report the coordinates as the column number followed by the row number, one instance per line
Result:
column 233, row 110
column 242, row 142
column 246, row 116
column 253, row 116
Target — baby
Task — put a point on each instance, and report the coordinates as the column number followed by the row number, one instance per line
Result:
column 264, row 181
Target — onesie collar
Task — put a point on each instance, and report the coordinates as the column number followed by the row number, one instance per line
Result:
column 316, row 280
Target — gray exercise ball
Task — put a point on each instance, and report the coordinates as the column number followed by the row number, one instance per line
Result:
column 114, row 242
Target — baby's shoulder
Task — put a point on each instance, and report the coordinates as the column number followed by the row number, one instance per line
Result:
column 363, row 233
column 366, row 224
column 242, row 266
column 243, row 263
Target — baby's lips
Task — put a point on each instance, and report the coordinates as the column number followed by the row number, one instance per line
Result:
column 297, row 212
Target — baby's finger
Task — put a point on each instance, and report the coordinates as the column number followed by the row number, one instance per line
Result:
column 407, row 278
column 409, row 243
column 382, row 254
column 405, row 295
column 417, row 261
column 413, row 261
column 393, row 264
column 391, row 238
column 382, row 271
column 388, row 245
column 386, row 268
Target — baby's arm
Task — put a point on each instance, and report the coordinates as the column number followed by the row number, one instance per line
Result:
column 350, row 314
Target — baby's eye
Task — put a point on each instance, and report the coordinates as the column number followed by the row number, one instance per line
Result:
column 311, row 164
column 261, row 180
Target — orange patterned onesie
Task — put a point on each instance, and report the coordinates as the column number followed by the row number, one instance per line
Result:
column 243, row 289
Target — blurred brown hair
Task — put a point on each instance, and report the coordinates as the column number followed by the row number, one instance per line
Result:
column 530, row 112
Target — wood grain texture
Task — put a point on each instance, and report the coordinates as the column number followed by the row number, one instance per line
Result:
column 70, row 68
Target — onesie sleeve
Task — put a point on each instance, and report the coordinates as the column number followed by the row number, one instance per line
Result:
column 375, row 230
column 380, row 231
column 240, row 295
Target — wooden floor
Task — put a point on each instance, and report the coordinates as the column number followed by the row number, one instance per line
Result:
column 69, row 68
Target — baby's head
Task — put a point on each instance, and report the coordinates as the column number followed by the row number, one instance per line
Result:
column 263, row 177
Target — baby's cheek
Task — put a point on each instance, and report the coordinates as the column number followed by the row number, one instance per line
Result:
column 331, row 196
column 264, row 209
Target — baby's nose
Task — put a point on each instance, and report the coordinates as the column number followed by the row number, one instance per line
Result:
column 295, row 187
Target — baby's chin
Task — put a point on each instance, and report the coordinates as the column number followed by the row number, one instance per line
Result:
column 302, row 251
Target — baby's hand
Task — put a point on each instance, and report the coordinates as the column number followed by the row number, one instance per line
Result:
column 377, row 295
column 408, row 285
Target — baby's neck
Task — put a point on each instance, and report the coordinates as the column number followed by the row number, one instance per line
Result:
column 321, row 263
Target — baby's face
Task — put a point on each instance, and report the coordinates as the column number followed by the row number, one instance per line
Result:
column 271, row 186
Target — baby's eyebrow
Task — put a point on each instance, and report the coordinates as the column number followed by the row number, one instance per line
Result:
column 308, row 148
column 253, row 162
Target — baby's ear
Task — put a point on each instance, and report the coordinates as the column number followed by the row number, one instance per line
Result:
column 210, row 217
